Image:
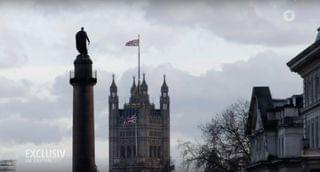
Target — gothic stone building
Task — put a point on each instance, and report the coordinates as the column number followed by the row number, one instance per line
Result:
column 139, row 133
column 285, row 134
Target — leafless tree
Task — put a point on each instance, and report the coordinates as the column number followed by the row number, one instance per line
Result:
column 225, row 147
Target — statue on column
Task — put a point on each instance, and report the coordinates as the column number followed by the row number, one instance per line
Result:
column 81, row 42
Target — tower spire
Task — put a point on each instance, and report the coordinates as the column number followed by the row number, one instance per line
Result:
column 133, row 87
column 113, row 87
column 144, row 86
column 164, row 87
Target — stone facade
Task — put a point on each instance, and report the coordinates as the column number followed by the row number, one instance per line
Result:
column 83, row 80
column 143, row 146
column 307, row 65
column 275, row 128
column 284, row 133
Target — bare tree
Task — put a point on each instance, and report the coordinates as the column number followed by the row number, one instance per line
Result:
column 225, row 147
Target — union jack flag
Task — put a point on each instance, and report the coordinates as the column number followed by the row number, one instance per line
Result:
column 134, row 42
column 130, row 120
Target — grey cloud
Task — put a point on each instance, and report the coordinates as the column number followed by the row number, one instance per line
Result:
column 19, row 130
column 13, row 89
column 195, row 99
column 26, row 117
column 248, row 22
column 12, row 52
column 36, row 107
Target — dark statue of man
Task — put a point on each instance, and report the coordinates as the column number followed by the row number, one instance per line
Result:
column 81, row 42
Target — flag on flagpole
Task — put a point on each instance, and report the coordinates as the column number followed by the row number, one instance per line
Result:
column 134, row 42
column 130, row 120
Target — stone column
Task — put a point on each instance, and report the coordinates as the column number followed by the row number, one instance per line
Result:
column 83, row 80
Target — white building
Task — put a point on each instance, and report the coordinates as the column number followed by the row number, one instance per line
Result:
column 284, row 133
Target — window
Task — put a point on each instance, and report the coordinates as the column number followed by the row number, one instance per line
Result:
column 128, row 152
column 122, row 152
column 307, row 129
column 159, row 152
column 317, row 88
column 310, row 91
column 165, row 106
column 316, row 134
column 309, row 133
column 279, row 143
column 153, row 152
column 312, row 135
column 282, row 146
column 154, row 149
column 305, row 92
column 134, row 151
column 150, row 151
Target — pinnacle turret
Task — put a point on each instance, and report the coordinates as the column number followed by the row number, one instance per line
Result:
column 144, row 85
column 164, row 87
column 133, row 87
column 113, row 87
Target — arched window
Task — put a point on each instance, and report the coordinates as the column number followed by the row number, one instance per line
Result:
column 122, row 152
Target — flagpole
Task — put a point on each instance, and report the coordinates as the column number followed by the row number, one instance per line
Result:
column 138, row 58
column 136, row 137
column 138, row 93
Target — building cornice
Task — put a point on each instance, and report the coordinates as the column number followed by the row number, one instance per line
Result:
column 304, row 57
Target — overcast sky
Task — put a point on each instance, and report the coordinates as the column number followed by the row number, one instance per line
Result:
column 213, row 53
